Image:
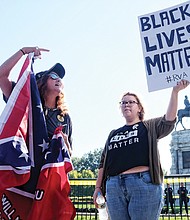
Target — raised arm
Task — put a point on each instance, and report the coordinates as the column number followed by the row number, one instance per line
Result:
column 173, row 103
column 7, row 66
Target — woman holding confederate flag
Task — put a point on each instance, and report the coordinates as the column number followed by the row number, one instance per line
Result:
column 50, row 87
column 44, row 194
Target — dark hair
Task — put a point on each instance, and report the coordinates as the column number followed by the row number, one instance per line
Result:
column 59, row 101
column 141, row 113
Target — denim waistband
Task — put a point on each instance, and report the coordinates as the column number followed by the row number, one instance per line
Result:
column 138, row 174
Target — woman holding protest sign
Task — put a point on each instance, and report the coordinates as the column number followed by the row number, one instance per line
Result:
column 130, row 166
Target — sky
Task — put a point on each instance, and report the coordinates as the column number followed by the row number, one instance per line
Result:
column 98, row 43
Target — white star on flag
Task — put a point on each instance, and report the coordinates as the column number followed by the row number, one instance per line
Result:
column 44, row 145
column 25, row 156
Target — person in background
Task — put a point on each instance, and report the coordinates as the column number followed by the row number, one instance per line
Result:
column 130, row 163
column 186, row 103
column 169, row 198
column 183, row 198
column 50, row 86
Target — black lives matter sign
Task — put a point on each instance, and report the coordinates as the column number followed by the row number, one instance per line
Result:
column 165, row 37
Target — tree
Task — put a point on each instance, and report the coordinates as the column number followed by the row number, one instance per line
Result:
column 87, row 174
column 88, row 162
column 76, row 163
column 74, row 174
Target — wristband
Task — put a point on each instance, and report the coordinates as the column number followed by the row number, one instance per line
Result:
column 22, row 51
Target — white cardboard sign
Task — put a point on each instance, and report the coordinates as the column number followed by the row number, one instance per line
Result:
column 165, row 37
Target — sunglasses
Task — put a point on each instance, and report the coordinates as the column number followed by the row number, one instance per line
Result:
column 54, row 76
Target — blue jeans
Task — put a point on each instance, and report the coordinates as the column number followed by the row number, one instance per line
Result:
column 133, row 197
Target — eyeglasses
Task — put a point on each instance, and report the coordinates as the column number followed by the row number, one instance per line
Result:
column 130, row 103
column 54, row 76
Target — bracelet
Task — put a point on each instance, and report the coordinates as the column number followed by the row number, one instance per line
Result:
column 22, row 51
column 98, row 187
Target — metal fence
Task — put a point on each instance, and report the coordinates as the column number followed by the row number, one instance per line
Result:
column 82, row 191
column 174, row 181
column 81, row 195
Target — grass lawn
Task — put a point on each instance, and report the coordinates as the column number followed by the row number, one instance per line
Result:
column 174, row 218
column 169, row 217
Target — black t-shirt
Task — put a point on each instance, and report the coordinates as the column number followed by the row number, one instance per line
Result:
column 54, row 119
column 127, row 148
column 169, row 192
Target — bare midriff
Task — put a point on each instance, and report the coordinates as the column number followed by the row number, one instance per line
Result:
column 136, row 170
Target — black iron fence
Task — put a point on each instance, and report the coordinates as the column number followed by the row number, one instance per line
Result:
column 174, row 182
column 82, row 191
column 81, row 195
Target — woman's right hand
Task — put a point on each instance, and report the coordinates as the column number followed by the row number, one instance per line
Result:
column 95, row 195
column 36, row 50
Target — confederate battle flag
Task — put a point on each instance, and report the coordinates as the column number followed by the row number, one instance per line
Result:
column 34, row 182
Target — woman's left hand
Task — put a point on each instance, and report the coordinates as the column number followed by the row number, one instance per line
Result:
column 181, row 85
column 65, row 137
column 66, row 140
